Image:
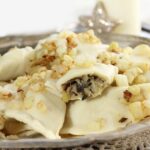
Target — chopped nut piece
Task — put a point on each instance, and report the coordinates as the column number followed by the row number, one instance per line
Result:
column 88, row 37
column 123, row 64
column 137, row 110
column 135, row 90
column 142, row 50
column 132, row 74
column 6, row 96
column 123, row 119
column 44, row 61
column 114, row 47
column 146, row 107
column 38, row 87
column 144, row 66
column 67, row 61
column 70, row 43
column 105, row 57
column 127, row 50
column 137, row 94
column 121, row 80
column 2, row 121
column 140, row 79
column 20, row 90
column 51, row 46
column 85, row 64
column 127, row 95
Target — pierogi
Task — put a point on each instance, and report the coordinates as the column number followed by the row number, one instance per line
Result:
column 72, row 84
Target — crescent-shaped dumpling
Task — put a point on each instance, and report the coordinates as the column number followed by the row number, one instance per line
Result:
column 43, row 112
column 115, row 109
column 32, row 101
column 82, row 83
column 14, row 63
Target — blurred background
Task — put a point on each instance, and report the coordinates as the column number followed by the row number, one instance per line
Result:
column 36, row 16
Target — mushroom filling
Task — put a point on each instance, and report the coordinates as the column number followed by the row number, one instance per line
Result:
column 86, row 86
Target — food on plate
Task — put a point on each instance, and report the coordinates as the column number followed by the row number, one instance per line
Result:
column 14, row 129
column 118, row 107
column 72, row 83
column 64, row 51
column 98, row 115
column 14, row 63
column 30, row 101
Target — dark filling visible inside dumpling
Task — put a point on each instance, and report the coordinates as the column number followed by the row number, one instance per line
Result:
column 86, row 86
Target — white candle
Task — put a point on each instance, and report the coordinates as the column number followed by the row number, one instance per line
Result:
column 128, row 11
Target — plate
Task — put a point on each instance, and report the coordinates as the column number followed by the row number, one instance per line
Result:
column 136, row 136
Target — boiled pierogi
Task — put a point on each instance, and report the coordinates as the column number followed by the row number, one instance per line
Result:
column 30, row 101
column 116, row 108
column 15, row 62
column 86, row 83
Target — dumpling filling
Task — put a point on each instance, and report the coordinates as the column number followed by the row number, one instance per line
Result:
column 83, row 87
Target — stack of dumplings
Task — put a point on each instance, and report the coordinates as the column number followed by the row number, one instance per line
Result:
column 72, row 84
